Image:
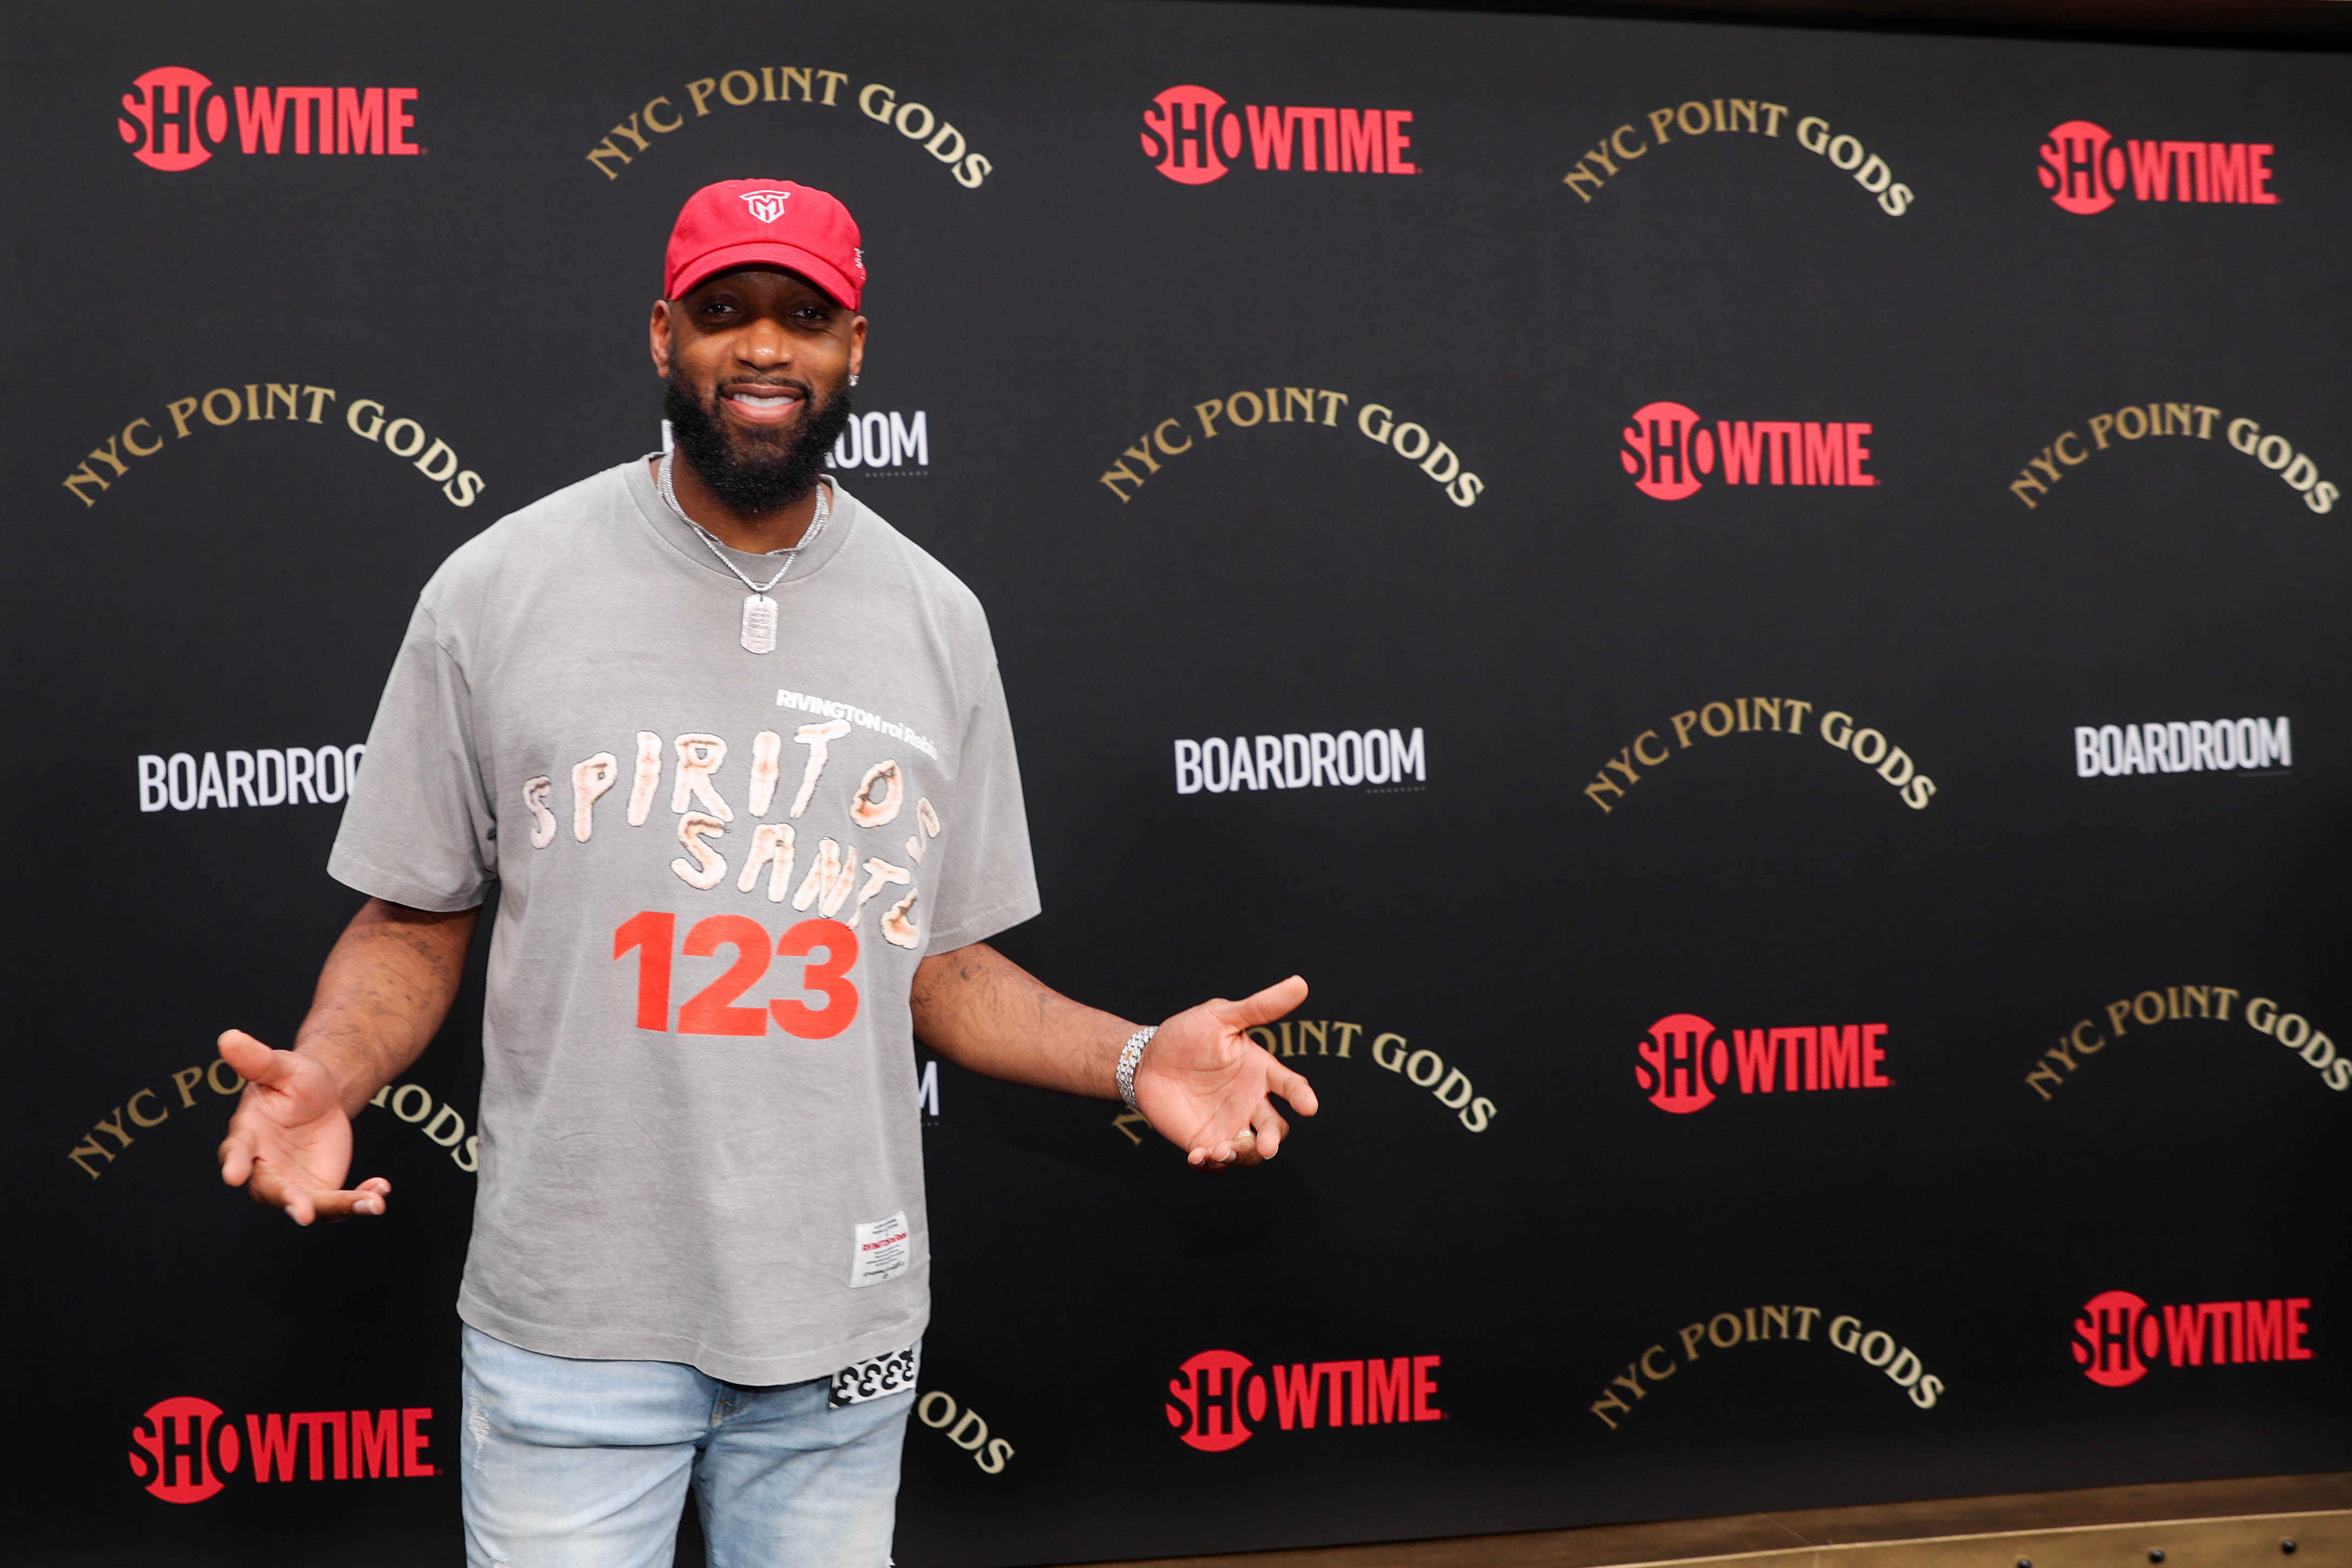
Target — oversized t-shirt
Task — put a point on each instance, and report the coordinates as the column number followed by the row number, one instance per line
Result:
column 716, row 873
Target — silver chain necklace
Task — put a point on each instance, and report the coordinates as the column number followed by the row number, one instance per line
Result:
column 759, row 634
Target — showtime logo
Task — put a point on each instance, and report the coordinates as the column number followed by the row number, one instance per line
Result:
column 1187, row 127
column 1217, row 1399
column 185, row 1449
column 1685, row 1061
column 1668, row 451
column 2118, row 1336
column 2084, row 170
column 174, row 119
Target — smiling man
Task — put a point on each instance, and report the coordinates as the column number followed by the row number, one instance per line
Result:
column 735, row 753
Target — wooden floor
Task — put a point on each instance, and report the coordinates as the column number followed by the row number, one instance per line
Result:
column 2297, row 1522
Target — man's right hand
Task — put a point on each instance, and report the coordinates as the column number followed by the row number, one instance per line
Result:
column 289, row 1142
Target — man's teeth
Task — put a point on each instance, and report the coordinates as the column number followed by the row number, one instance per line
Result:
column 777, row 402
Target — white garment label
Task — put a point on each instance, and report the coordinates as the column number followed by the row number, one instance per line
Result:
column 886, row 1249
column 893, row 1371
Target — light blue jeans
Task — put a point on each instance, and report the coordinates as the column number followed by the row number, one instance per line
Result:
column 584, row 1464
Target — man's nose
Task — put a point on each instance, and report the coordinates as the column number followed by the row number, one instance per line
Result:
column 763, row 344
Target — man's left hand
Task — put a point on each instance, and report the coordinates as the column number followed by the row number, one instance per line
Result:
column 1206, row 1087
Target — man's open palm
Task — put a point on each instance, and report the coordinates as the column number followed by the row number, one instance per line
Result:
column 290, row 1143
column 1204, row 1084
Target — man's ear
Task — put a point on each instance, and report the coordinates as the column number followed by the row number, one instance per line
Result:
column 659, row 344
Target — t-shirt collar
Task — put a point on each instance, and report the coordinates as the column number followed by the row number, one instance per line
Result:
column 682, row 540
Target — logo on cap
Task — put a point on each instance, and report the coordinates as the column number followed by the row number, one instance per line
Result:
column 766, row 205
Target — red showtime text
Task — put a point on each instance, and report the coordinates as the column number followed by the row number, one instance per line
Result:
column 2085, row 170
column 1668, row 451
column 1218, row 1399
column 174, row 119
column 1685, row 1061
column 1188, row 134
column 185, row 1449
column 2118, row 1337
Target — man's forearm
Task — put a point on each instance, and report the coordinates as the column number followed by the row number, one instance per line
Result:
column 383, row 993
column 988, row 1015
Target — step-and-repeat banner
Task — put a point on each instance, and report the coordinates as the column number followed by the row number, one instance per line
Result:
column 1759, row 611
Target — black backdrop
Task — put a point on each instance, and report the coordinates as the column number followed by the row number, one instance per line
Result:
column 241, row 587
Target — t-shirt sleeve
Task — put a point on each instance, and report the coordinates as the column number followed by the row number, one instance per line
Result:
column 986, row 881
column 419, row 828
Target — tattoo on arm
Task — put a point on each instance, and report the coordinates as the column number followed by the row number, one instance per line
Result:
column 385, row 989
column 981, row 1010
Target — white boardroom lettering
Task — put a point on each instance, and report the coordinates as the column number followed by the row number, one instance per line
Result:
column 1316, row 760
column 2111, row 751
column 296, row 776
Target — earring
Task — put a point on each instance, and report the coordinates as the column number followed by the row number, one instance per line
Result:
column 853, row 378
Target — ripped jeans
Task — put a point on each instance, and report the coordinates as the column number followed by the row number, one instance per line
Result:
column 584, row 1464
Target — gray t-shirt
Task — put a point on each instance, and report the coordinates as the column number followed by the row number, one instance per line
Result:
column 718, row 871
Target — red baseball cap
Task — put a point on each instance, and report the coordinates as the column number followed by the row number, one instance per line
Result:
column 742, row 222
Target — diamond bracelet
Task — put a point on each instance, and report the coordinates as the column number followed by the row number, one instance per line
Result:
column 1130, row 1056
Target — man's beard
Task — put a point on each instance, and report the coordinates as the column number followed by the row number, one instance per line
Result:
column 756, row 473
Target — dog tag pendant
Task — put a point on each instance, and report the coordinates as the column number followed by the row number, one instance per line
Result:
column 759, row 624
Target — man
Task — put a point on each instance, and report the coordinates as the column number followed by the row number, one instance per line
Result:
column 736, row 754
